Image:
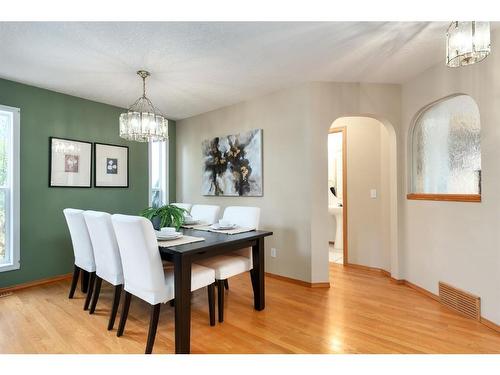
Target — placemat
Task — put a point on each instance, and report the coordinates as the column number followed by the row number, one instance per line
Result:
column 204, row 227
column 224, row 231
column 193, row 226
column 180, row 241
column 232, row 231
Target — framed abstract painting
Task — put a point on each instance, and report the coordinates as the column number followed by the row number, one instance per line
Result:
column 232, row 165
column 70, row 163
column 110, row 165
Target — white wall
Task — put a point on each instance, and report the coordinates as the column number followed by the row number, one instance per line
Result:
column 367, row 166
column 458, row 243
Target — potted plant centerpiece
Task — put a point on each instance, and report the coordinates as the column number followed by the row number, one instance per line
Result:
column 165, row 216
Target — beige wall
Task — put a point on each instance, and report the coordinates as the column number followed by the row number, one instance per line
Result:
column 329, row 101
column 367, row 168
column 285, row 204
column 458, row 243
column 295, row 125
column 428, row 241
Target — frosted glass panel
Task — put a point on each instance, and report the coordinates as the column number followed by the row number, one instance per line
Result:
column 446, row 148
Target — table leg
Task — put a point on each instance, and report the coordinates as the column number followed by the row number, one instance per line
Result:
column 257, row 275
column 84, row 281
column 182, row 281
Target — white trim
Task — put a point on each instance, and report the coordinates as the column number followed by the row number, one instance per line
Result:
column 149, row 174
column 165, row 183
column 14, row 198
column 167, row 174
column 164, row 165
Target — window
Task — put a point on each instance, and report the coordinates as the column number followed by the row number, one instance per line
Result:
column 9, row 188
column 446, row 152
column 158, row 173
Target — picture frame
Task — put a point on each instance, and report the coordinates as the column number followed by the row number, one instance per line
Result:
column 70, row 163
column 111, row 165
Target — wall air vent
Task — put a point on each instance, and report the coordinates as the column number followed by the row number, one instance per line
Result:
column 459, row 300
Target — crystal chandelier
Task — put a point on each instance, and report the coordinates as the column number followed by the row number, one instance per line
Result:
column 467, row 43
column 143, row 122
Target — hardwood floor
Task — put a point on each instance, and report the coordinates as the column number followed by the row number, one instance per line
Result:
column 363, row 312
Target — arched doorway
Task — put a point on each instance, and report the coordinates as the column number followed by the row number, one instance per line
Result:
column 369, row 192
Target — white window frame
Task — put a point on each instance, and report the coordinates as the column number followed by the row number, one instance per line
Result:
column 163, row 176
column 12, row 197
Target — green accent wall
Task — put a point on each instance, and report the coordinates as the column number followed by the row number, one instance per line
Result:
column 46, row 249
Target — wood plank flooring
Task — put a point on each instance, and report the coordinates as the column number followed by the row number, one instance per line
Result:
column 363, row 312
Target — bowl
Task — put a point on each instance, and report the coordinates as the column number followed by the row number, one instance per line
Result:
column 167, row 230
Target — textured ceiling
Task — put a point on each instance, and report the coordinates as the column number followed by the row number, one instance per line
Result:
column 197, row 67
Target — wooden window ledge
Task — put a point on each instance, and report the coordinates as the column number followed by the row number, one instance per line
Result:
column 445, row 197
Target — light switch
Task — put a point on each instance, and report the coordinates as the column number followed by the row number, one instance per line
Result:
column 373, row 193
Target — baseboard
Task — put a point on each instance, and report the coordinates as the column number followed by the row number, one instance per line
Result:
column 30, row 284
column 319, row 285
column 368, row 268
column 484, row 321
column 490, row 324
column 298, row 282
column 419, row 289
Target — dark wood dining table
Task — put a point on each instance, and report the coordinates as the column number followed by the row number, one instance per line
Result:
column 182, row 256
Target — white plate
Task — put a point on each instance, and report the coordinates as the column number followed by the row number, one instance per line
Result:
column 223, row 227
column 166, row 237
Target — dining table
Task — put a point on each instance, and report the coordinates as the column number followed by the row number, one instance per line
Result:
column 183, row 256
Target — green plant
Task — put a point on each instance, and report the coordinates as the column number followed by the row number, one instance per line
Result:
column 168, row 215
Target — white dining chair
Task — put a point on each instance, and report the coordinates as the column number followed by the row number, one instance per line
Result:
column 207, row 214
column 82, row 248
column 186, row 206
column 107, row 259
column 145, row 276
column 240, row 261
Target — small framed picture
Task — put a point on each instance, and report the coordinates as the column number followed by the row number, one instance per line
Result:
column 70, row 163
column 110, row 165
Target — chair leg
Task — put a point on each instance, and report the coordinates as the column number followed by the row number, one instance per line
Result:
column 74, row 281
column 153, row 324
column 220, row 299
column 95, row 294
column 84, row 281
column 114, row 309
column 226, row 284
column 123, row 317
column 89, row 290
column 211, row 303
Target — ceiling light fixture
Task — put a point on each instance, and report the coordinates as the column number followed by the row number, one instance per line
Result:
column 467, row 43
column 143, row 122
